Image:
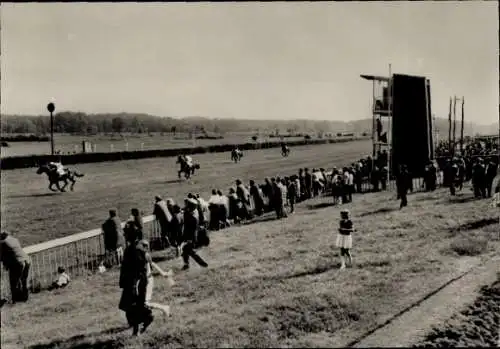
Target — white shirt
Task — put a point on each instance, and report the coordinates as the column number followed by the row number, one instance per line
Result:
column 350, row 180
column 63, row 279
column 215, row 199
column 189, row 160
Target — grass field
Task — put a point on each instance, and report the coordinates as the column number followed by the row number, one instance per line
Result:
column 34, row 214
column 277, row 284
column 70, row 143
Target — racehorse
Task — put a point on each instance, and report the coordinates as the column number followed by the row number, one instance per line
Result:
column 285, row 150
column 55, row 177
column 236, row 155
column 186, row 168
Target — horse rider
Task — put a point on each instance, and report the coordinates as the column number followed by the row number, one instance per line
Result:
column 284, row 147
column 57, row 167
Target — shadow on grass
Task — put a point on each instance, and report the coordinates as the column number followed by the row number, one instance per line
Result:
column 460, row 199
column 80, row 342
column 473, row 225
column 41, row 195
column 377, row 211
column 321, row 205
column 266, row 218
column 170, row 181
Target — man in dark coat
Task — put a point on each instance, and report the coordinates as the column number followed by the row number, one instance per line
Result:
column 17, row 263
column 479, row 179
column 257, row 198
column 213, row 206
column 268, row 191
column 163, row 217
column 114, row 242
column 292, row 192
column 430, row 177
column 190, row 234
column 402, row 183
column 133, row 282
column 307, row 184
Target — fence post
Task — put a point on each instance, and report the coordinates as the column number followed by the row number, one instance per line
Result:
column 76, row 255
column 126, row 146
column 142, row 146
column 111, row 147
column 95, row 148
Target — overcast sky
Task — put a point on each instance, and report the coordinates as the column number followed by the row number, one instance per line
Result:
column 244, row 60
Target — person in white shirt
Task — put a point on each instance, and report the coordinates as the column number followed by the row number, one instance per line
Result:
column 350, row 184
column 63, row 279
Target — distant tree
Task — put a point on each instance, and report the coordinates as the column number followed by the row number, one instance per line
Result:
column 117, row 124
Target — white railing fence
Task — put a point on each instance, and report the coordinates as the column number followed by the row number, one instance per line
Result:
column 80, row 254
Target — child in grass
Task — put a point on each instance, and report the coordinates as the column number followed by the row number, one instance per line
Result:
column 344, row 238
column 63, row 279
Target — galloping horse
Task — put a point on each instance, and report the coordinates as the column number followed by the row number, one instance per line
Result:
column 55, row 177
column 186, row 167
column 236, row 155
column 285, row 150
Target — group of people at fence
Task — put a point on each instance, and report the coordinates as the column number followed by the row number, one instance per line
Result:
column 470, row 148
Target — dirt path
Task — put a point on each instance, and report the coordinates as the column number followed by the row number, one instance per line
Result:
column 411, row 326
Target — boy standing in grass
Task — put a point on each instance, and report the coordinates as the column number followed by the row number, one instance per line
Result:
column 344, row 238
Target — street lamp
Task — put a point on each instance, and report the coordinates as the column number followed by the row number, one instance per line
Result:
column 51, row 107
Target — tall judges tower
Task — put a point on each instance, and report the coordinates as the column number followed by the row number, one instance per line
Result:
column 402, row 121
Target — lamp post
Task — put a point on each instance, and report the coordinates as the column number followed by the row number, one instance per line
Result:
column 51, row 107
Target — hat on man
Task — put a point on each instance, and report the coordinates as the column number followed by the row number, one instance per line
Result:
column 158, row 198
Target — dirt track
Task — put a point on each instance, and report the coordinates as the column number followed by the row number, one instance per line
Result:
column 35, row 214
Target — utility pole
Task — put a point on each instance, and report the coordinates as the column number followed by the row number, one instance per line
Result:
column 454, row 124
column 51, row 107
column 449, row 128
column 462, row 129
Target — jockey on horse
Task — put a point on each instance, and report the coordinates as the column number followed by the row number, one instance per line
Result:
column 58, row 173
column 236, row 154
column 285, row 150
column 58, row 167
column 187, row 166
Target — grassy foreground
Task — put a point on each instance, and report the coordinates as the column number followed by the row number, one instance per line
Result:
column 277, row 283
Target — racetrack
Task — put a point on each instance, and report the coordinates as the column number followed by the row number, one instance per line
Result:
column 34, row 214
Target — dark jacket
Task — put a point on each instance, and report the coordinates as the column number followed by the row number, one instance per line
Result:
column 112, row 231
column 11, row 252
column 191, row 225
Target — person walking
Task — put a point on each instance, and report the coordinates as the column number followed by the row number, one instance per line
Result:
column 189, row 237
column 133, row 282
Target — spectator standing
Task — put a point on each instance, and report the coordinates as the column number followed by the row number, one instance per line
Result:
column 114, row 241
column 17, row 263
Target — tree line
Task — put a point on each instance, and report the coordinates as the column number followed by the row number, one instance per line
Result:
column 82, row 123
column 88, row 124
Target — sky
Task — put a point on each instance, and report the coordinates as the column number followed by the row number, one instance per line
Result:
column 256, row 60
